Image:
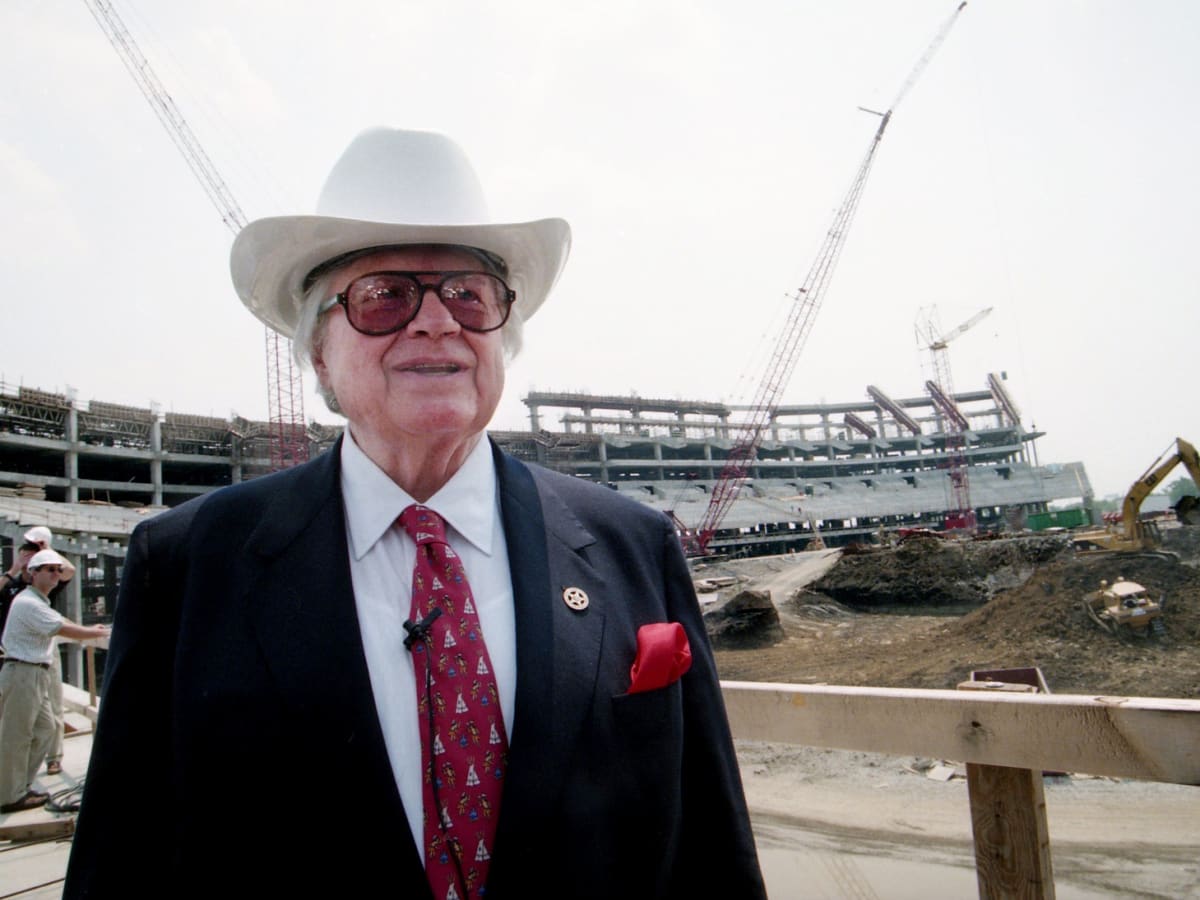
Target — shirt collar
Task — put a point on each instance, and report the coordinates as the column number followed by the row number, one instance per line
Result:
column 32, row 590
column 373, row 501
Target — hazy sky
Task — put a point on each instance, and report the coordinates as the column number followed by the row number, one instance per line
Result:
column 1045, row 164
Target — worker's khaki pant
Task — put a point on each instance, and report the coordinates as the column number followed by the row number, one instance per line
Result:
column 26, row 727
column 56, row 705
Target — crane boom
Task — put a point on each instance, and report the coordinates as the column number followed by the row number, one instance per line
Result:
column 941, row 392
column 939, row 343
column 285, row 397
column 806, row 303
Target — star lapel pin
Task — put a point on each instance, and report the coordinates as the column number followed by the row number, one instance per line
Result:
column 575, row 598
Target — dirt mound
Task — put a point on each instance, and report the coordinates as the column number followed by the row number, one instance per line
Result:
column 1183, row 541
column 1045, row 621
column 931, row 572
column 1038, row 623
column 749, row 619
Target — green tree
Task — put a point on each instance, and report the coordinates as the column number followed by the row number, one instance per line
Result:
column 1179, row 487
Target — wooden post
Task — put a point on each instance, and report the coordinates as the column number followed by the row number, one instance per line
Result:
column 91, row 674
column 1012, row 841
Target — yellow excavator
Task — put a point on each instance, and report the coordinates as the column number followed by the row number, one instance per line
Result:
column 1130, row 532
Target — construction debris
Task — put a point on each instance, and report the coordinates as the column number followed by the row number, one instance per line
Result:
column 749, row 619
column 905, row 641
column 937, row 572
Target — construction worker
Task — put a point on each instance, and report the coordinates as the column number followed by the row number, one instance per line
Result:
column 39, row 538
column 26, row 718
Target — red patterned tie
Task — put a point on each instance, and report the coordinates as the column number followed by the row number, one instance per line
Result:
column 464, row 748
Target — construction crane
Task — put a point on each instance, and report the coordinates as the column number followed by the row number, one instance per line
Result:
column 802, row 314
column 285, row 396
column 961, row 517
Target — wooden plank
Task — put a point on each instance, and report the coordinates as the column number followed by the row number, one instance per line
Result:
column 35, row 826
column 1131, row 737
column 1012, row 841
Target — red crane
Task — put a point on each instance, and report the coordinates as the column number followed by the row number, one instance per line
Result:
column 961, row 516
column 285, row 388
column 806, row 302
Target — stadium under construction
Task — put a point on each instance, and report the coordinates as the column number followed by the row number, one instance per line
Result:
column 847, row 469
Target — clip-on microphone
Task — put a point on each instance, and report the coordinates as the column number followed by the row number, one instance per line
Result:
column 420, row 631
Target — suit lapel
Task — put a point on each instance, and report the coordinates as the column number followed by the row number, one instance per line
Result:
column 305, row 619
column 558, row 654
column 302, row 602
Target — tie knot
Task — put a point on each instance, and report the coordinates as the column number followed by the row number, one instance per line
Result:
column 423, row 525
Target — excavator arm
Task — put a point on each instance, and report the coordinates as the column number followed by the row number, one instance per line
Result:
column 1185, row 453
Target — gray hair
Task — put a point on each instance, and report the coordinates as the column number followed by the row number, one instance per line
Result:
column 311, row 325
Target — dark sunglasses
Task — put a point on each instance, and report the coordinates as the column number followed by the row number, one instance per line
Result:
column 384, row 302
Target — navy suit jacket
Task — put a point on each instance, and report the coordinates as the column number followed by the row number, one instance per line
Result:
column 239, row 751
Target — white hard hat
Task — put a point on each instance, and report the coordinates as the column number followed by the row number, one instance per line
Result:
column 45, row 558
column 39, row 534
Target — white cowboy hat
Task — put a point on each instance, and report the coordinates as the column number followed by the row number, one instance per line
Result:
column 391, row 187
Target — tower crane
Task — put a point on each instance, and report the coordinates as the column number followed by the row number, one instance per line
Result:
column 802, row 314
column 285, row 397
column 941, row 391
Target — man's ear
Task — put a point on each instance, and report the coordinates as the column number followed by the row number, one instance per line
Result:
column 319, row 368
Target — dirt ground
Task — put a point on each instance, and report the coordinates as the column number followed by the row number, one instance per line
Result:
column 841, row 629
column 836, row 823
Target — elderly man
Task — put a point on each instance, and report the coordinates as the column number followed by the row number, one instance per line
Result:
column 27, row 721
column 450, row 675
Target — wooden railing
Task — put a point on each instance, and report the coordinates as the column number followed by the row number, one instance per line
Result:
column 1006, row 739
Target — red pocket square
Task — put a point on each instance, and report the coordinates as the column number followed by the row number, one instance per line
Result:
column 663, row 656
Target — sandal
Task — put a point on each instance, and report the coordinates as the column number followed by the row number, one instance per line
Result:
column 54, row 767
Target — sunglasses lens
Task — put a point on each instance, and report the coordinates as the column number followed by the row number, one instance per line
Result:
column 379, row 304
column 475, row 300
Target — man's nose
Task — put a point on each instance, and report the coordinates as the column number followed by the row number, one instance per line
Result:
column 432, row 317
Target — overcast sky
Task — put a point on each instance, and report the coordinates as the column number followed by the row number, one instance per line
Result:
column 1045, row 164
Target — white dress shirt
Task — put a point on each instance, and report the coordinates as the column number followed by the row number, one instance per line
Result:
column 382, row 556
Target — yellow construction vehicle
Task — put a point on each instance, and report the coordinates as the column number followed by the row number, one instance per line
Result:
column 1125, row 607
column 1130, row 532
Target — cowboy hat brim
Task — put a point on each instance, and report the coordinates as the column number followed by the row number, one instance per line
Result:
column 272, row 257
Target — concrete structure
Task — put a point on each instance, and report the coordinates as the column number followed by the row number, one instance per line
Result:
column 53, row 447
column 851, row 468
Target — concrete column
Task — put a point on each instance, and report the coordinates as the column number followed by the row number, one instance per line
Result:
column 534, row 422
column 587, row 426
column 156, row 477
column 73, row 595
column 602, row 452
column 71, row 462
